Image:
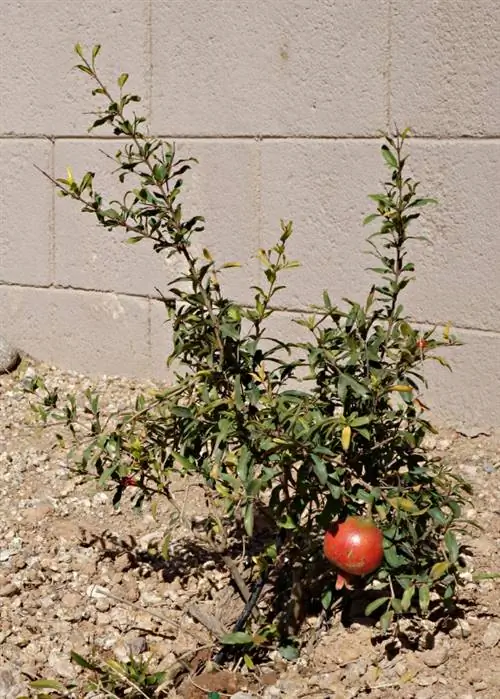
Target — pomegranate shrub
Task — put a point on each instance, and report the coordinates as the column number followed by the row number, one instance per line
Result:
column 280, row 465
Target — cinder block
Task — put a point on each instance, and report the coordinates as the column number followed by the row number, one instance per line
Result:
column 223, row 187
column 466, row 396
column 282, row 67
column 40, row 92
column 445, row 66
column 87, row 256
column 457, row 275
column 85, row 331
column 322, row 186
column 25, row 212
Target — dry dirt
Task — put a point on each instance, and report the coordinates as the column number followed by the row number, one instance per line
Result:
column 77, row 575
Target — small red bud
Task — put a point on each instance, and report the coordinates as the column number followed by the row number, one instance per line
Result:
column 128, row 480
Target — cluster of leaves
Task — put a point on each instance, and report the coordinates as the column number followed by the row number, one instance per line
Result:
column 131, row 679
column 276, row 450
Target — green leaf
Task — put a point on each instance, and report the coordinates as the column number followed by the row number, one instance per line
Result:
column 438, row 516
column 424, row 597
column 375, row 604
column 122, row 80
column 289, row 652
column 237, row 638
column 95, row 51
column 452, row 547
column 386, row 620
column 213, row 695
column 82, row 662
column 407, row 598
column 439, row 569
column 370, row 218
column 48, row 684
column 249, row 518
column 326, row 599
column 134, row 239
column 393, row 559
column 396, row 605
column 319, row 468
column 183, row 460
column 389, row 157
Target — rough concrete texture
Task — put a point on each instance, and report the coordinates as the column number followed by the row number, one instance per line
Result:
column 282, row 103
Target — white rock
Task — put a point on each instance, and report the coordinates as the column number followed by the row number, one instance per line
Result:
column 9, row 356
column 97, row 592
column 491, row 635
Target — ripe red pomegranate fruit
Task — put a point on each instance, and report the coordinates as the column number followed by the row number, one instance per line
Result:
column 355, row 547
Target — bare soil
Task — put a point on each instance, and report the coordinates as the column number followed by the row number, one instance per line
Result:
column 75, row 574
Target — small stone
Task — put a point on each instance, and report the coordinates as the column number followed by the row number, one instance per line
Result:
column 461, row 629
column 9, row 590
column 10, row 684
column 121, row 652
column 137, row 645
column 61, row 665
column 71, row 600
column 425, row 693
column 9, row 356
column 425, row 680
column 103, row 604
column 243, row 695
column 480, row 686
column 491, row 635
column 437, row 656
column 100, row 499
column 97, row 592
column 123, row 562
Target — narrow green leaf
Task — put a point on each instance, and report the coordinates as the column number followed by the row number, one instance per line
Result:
column 82, row 662
column 389, row 157
column 452, row 547
column 424, row 598
column 439, row 569
column 319, row 468
column 48, row 684
column 122, row 80
column 370, row 218
column 236, row 638
column 375, row 604
column 326, row 599
column 386, row 620
column 249, row 518
column 407, row 598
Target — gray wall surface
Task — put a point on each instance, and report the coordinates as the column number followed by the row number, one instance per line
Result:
column 282, row 102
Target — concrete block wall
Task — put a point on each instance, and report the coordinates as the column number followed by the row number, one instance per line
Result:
column 282, row 102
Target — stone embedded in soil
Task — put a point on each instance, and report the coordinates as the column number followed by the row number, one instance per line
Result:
column 9, row 590
column 436, row 656
column 491, row 635
column 9, row 356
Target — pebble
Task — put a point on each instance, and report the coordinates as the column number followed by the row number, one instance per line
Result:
column 9, row 356
column 425, row 693
column 61, row 665
column 9, row 590
column 461, row 629
column 491, row 635
column 436, row 656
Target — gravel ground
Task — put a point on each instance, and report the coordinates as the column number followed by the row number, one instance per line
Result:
column 77, row 575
